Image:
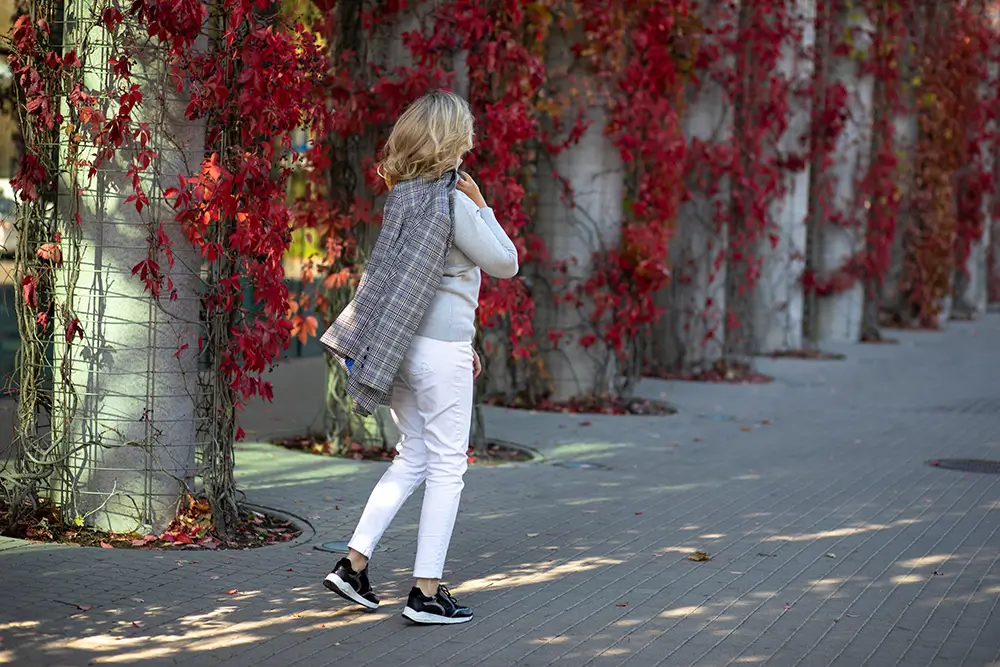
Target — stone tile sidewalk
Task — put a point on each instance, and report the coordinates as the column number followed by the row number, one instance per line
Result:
column 832, row 542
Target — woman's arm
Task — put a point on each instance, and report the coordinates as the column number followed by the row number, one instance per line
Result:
column 481, row 238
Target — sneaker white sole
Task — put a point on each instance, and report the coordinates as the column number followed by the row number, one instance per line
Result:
column 344, row 590
column 425, row 618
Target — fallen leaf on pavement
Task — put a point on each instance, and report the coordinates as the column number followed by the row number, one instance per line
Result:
column 621, row 604
column 214, row 577
column 139, row 600
column 744, row 428
column 532, row 534
column 830, row 555
column 232, row 592
column 699, row 556
column 638, row 513
column 586, row 423
column 138, row 624
column 84, row 607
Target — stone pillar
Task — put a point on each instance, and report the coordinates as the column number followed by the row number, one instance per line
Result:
column 974, row 294
column 691, row 333
column 125, row 398
column 573, row 230
column 778, row 310
column 839, row 315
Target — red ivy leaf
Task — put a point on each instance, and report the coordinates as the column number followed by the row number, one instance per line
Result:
column 73, row 328
column 29, row 291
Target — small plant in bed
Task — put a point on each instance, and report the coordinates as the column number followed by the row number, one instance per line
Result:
column 604, row 405
column 192, row 529
column 495, row 452
column 721, row 372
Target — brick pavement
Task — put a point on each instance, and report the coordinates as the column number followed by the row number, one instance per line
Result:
column 832, row 543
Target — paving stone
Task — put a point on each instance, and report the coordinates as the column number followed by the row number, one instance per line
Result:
column 824, row 525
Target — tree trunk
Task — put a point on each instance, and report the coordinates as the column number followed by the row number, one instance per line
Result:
column 125, row 401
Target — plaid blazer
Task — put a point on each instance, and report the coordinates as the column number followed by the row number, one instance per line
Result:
column 400, row 279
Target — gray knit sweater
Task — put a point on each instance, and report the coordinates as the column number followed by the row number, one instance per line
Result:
column 480, row 245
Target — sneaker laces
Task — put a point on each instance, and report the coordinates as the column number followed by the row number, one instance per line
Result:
column 446, row 594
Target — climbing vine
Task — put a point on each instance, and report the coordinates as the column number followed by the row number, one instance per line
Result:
column 253, row 77
column 926, row 61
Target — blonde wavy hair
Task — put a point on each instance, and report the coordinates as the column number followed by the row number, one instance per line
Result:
column 428, row 138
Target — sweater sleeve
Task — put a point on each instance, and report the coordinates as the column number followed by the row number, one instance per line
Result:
column 481, row 238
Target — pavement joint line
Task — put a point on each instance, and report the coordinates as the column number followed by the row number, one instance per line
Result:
column 392, row 623
column 778, row 502
column 775, row 503
column 884, row 570
column 954, row 581
column 832, row 568
column 773, row 571
column 598, row 531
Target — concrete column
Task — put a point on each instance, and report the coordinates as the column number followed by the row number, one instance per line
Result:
column 839, row 315
column 974, row 294
column 125, row 399
column 778, row 307
column 691, row 333
column 573, row 230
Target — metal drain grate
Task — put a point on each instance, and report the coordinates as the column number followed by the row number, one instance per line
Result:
column 967, row 465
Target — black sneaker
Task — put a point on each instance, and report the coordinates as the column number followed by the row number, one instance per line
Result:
column 350, row 585
column 438, row 610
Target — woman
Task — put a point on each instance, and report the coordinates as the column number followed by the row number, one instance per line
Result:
column 413, row 320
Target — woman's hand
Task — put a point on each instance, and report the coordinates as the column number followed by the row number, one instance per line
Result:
column 471, row 189
column 477, row 365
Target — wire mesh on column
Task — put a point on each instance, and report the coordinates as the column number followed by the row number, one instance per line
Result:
column 119, row 319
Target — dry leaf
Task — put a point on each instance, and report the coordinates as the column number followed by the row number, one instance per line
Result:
column 621, row 604
column 830, row 555
column 699, row 556
column 232, row 592
column 744, row 428
column 139, row 600
column 138, row 624
column 84, row 607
